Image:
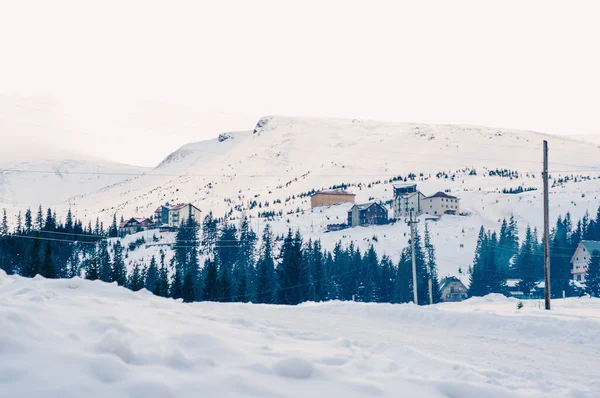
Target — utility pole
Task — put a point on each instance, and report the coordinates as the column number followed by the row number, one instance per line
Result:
column 430, row 272
column 546, row 231
column 411, row 222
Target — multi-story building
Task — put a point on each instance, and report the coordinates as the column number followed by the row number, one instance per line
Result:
column 406, row 199
column 330, row 197
column 440, row 203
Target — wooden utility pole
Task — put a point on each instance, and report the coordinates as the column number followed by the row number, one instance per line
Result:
column 411, row 222
column 546, row 231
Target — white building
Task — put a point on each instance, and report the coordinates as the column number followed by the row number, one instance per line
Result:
column 582, row 257
column 174, row 216
column 406, row 199
column 440, row 203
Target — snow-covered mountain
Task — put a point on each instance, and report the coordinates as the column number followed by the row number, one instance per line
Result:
column 269, row 169
column 272, row 168
column 54, row 177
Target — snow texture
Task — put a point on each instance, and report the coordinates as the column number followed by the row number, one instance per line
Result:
column 75, row 338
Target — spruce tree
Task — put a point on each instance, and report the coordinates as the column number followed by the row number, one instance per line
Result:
column 403, row 292
column 592, row 279
column 176, row 285
column 151, row 275
column 525, row 264
column 48, row 270
column 210, row 291
column 50, row 223
column 209, row 234
column 432, row 267
column 387, row 280
column 93, row 270
column 69, row 222
column 289, row 270
column 113, row 231
column 119, row 272
column 320, row 281
column 19, row 229
column 478, row 278
column 188, row 291
column 39, row 219
column 136, row 280
column 4, row 227
column 34, row 265
column 162, row 284
column 265, row 269
column 104, row 264
column 28, row 222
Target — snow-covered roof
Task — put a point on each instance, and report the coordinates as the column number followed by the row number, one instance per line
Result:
column 441, row 195
column 333, row 192
column 364, row 206
column 591, row 245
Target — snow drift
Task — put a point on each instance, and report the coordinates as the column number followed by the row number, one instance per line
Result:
column 73, row 338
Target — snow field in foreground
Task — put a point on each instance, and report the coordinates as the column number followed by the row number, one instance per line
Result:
column 74, row 338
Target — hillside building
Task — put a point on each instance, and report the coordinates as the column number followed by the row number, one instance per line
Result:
column 173, row 216
column 367, row 214
column 453, row 289
column 330, row 197
column 440, row 203
column 134, row 225
column 581, row 258
column 407, row 198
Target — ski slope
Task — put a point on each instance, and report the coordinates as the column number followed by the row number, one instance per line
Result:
column 74, row 338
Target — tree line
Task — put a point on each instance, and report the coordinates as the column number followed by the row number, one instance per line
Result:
column 500, row 256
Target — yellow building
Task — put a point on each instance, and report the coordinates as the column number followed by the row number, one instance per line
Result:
column 330, row 197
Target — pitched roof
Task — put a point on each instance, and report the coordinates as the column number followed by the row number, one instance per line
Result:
column 447, row 280
column 364, row 206
column 591, row 245
column 333, row 192
column 441, row 195
column 180, row 206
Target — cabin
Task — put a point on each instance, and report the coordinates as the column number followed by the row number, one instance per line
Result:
column 407, row 199
column 581, row 258
column 134, row 225
column 330, row 197
column 441, row 203
column 367, row 214
column 453, row 290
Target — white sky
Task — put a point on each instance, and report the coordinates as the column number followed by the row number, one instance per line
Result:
column 133, row 80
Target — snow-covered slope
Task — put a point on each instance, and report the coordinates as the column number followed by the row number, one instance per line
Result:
column 74, row 338
column 284, row 157
column 53, row 177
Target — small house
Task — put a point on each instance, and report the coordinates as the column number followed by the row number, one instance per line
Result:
column 134, row 225
column 367, row 214
column 453, row 289
column 330, row 197
column 581, row 258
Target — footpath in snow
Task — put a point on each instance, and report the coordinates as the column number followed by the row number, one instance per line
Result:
column 76, row 338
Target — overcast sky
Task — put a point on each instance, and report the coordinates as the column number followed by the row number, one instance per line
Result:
column 133, row 80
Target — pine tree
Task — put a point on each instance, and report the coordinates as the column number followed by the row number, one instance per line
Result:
column 162, row 284
column 209, row 234
column 4, row 227
column 151, row 275
column 289, row 270
column 33, row 266
column 404, row 286
column 69, row 222
column 525, row 264
column 227, row 255
column 28, row 222
column 387, row 281
column 321, row 287
column 478, row 277
column 368, row 284
column 244, row 273
column 265, row 269
column 50, row 223
column 210, row 291
column 592, row 278
column 48, row 270
column 39, row 220
column 136, row 279
column 105, row 268
column 119, row 273
column 19, row 229
column 93, row 271
column 176, row 285
column 560, row 253
column 113, row 231
column 188, row 292
column 432, row 267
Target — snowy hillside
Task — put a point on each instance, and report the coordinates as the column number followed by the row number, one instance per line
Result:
column 273, row 167
column 53, row 177
column 109, row 341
